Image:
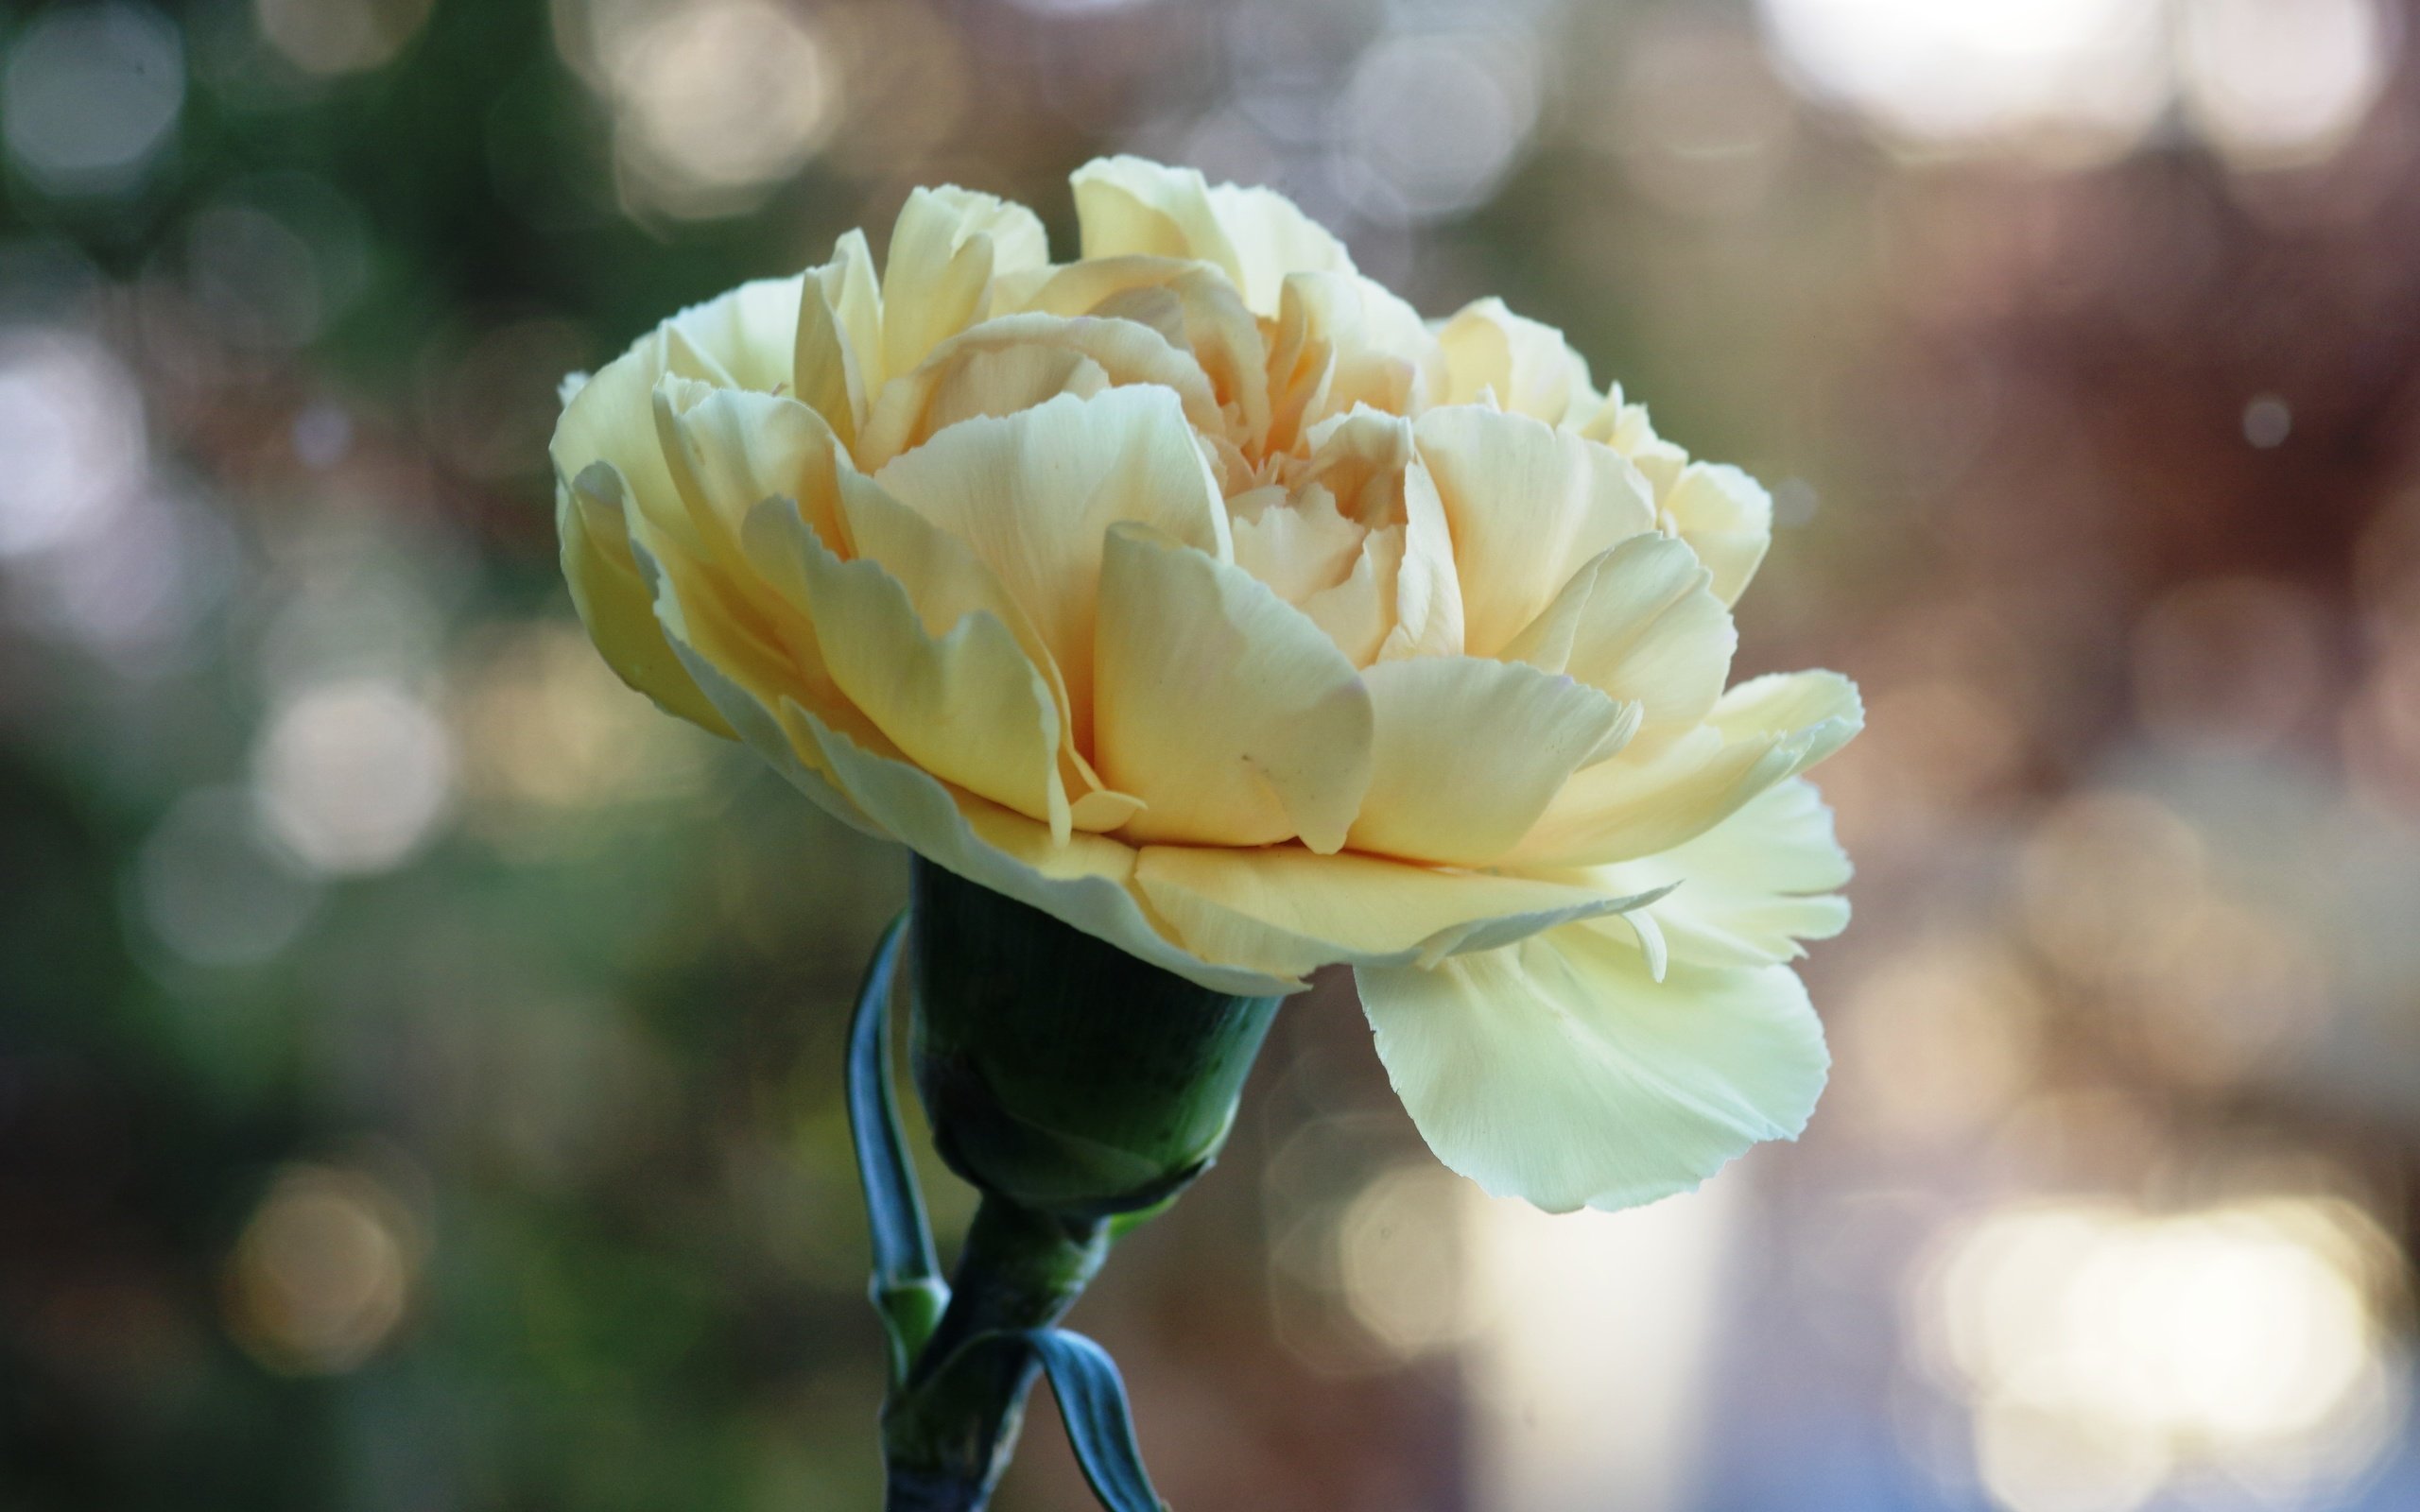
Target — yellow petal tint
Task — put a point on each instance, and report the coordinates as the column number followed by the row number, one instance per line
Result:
column 1727, row 519
column 1527, row 505
column 1288, row 911
column 945, row 249
column 839, row 334
column 1639, row 623
column 1034, row 494
column 1641, row 802
column 1341, row 340
column 1527, row 367
column 964, row 704
column 614, row 600
column 1084, row 882
column 1192, row 307
column 1468, row 753
column 1228, row 713
column 1253, row 235
column 1019, row 361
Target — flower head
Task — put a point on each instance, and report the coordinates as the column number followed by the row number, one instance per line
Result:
column 1201, row 595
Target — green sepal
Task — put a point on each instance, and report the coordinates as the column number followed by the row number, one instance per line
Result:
column 1057, row 1071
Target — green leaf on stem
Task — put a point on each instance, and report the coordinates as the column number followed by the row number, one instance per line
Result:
column 906, row 1288
column 1092, row 1403
column 1091, row 1400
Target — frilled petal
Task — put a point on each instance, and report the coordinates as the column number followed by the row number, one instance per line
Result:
column 1229, row 713
column 945, row 250
column 1556, row 1070
column 729, row 450
column 1763, row 732
column 1195, row 307
column 1727, row 519
column 745, row 338
column 947, row 582
column 1626, row 428
column 1254, row 235
column 1034, row 494
column 1288, row 911
column 1748, row 891
column 1528, row 506
column 1084, row 882
column 1341, row 340
column 1467, row 754
column 1639, row 623
column 1391, row 596
column 840, row 337
column 1018, row 361
column 962, row 701
column 1529, row 369
column 614, row 601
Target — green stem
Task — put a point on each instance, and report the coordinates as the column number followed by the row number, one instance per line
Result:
column 948, row 1435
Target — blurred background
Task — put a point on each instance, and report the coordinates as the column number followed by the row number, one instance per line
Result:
column 419, row 1060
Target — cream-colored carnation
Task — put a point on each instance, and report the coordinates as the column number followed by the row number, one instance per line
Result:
column 1200, row 594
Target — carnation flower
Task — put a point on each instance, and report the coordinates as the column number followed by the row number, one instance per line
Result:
column 1199, row 595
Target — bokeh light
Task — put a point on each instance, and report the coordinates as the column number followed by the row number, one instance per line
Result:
column 2106, row 1350
column 323, row 1270
column 90, row 95
column 339, row 36
column 1432, row 121
column 2276, row 83
column 71, row 426
column 714, row 102
column 2063, row 78
column 212, row 887
column 354, row 776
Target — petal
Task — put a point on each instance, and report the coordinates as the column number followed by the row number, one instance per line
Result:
column 1368, row 461
column 947, row 582
column 1556, row 1070
column 729, row 450
column 1289, row 911
column 1019, row 361
column 1233, row 718
column 839, row 334
column 1727, row 519
column 1529, row 369
column 1193, row 306
column 1255, row 236
column 790, row 751
column 1082, row 884
column 1820, row 710
column 742, row 340
column 946, row 248
column 1034, row 494
column 1468, row 753
column 1761, row 732
column 1748, row 891
column 964, row 703
column 614, row 600
column 1528, row 506
column 1626, row 428
column 1429, row 589
column 1343, row 340
column 1638, row 623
